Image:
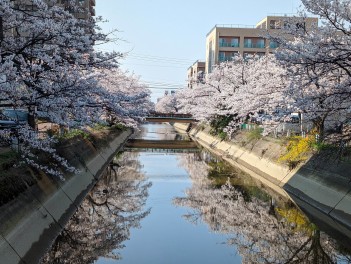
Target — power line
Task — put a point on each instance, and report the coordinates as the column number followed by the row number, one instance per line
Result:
column 161, row 58
column 163, row 83
column 158, row 60
column 148, row 57
column 165, row 88
column 152, row 65
column 184, row 65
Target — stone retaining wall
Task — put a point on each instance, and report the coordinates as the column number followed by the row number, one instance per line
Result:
column 324, row 187
column 32, row 221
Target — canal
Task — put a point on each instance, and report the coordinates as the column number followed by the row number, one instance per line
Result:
column 164, row 205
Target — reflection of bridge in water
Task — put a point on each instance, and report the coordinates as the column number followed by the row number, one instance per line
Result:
column 161, row 144
column 151, row 150
column 169, row 146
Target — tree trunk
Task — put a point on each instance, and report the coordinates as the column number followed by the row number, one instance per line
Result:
column 318, row 125
column 31, row 118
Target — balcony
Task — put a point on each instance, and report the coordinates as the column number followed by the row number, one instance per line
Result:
column 254, row 46
column 254, row 43
column 225, row 58
column 227, row 44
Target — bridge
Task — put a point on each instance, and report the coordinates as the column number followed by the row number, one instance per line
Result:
column 169, row 117
column 161, row 144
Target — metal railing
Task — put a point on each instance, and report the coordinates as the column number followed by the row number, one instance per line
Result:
column 228, row 44
column 234, row 26
column 169, row 115
column 254, row 45
column 225, row 58
column 230, row 26
column 283, row 14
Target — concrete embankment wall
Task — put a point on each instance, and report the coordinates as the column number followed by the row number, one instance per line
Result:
column 324, row 187
column 31, row 221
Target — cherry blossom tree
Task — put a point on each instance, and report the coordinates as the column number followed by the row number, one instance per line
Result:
column 124, row 98
column 311, row 75
column 206, row 101
column 239, row 88
column 167, row 104
column 318, row 64
column 50, row 68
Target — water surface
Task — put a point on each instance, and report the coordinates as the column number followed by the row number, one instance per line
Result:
column 164, row 207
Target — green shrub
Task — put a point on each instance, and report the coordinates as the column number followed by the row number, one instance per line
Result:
column 222, row 135
column 75, row 133
column 98, row 126
column 218, row 124
column 119, row 126
column 8, row 159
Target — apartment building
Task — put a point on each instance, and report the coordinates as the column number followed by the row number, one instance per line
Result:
column 223, row 42
column 86, row 11
column 87, row 6
column 196, row 72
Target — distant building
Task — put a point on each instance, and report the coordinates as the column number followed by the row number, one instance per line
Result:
column 86, row 11
column 196, row 73
column 223, row 42
column 88, row 6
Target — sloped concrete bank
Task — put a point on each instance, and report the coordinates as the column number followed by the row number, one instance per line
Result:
column 322, row 189
column 30, row 222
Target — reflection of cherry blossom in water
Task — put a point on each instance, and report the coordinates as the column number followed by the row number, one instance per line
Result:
column 103, row 222
column 260, row 234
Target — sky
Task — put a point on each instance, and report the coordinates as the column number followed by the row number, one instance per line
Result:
column 163, row 38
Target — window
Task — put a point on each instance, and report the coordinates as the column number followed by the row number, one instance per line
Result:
column 275, row 24
column 247, row 43
column 226, row 56
column 254, row 43
column 301, row 25
column 221, row 56
column 222, row 42
column 273, row 44
column 229, row 42
column 260, row 43
column 234, row 42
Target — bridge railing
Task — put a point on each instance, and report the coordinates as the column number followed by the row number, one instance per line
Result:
column 174, row 115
